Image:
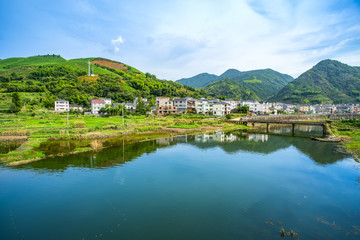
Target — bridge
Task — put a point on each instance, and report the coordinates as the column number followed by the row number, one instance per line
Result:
column 293, row 120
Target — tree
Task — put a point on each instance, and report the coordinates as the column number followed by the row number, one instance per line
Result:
column 140, row 107
column 244, row 109
column 16, row 102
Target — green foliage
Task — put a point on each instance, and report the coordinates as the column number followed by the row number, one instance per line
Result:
column 57, row 78
column 328, row 82
column 230, row 88
column 243, row 109
column 228, row 116
column 15, row 103
column 262, row 83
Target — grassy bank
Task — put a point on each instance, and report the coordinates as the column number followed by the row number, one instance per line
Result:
column 349, row 131
column 45, row 125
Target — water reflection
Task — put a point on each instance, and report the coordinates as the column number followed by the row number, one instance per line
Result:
column 123, row 151
column 10, row 145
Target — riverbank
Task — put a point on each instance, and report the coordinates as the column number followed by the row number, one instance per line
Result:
column 92, row 131
column 349, row 133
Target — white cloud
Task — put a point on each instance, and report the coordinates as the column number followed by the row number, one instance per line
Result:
column 118, row 41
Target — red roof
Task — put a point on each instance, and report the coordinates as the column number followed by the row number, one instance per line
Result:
column 97, row 101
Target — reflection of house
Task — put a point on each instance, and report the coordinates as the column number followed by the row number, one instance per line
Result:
column 96, row 105
column 222, row 137
column 164, row 141
column 258, row 137
column 62, row 105
column 202, row 138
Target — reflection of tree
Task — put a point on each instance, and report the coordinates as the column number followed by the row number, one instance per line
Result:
column 123, row 151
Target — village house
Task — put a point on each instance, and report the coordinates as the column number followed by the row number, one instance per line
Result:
column 166, row 110
column 96, row 105
column 221, row 108
column 232, row 103
column 256, row 107
column 203, row 106
column 163, row 102
column 180, row 104
column 61, row 105
column 107, row 101
column 75, row 107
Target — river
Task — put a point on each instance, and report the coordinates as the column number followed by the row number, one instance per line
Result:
column 208, row 186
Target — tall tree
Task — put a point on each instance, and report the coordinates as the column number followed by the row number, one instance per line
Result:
column 16, row 102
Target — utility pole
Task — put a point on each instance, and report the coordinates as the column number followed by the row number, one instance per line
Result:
column 122, row 112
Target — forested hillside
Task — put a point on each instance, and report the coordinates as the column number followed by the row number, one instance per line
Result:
column 327, row 82
column 263, row 83
column 230, row 88
column 42, row 79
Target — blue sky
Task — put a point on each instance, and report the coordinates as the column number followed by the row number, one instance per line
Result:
column 182, row 38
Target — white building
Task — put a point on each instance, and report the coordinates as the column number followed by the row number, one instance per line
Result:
column 107, row 101
column 203, row 106
column 96, row 105
column 232, row 103
column 256, row 107
column 61, row 105
column 221, row 108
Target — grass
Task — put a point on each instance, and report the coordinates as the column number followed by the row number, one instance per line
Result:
column 349, row 131
column 41, row 125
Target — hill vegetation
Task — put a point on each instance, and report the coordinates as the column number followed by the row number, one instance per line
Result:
column 329, row 81
column 42, row 79
column 230, row 88
column 263, row 83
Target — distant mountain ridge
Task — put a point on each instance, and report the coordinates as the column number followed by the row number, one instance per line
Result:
column 329, row 81
column 264, row 83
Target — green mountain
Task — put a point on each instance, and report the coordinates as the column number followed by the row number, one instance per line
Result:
column 329, row 81
column 42, row 79
column 264, row 83
column 198, row 81
column 230, row 88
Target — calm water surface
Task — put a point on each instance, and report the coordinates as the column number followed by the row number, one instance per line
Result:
column 188, row 187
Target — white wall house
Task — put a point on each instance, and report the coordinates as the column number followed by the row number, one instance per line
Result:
column 232, row 103
column 221, row 108
column 203, row 106
column 107, row 101
column 96, row 105
column 61, row 105
column 256, row 107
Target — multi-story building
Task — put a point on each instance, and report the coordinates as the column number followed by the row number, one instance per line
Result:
column 165, row 110
column 61, row 105
column 203, row 106
column 221, row 108
column 96, row 105
column 232, row 103
column 163, row 102
column 256, row 107
column 180, row 104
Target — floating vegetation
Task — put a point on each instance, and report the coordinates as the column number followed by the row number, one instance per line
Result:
column 283, row 233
